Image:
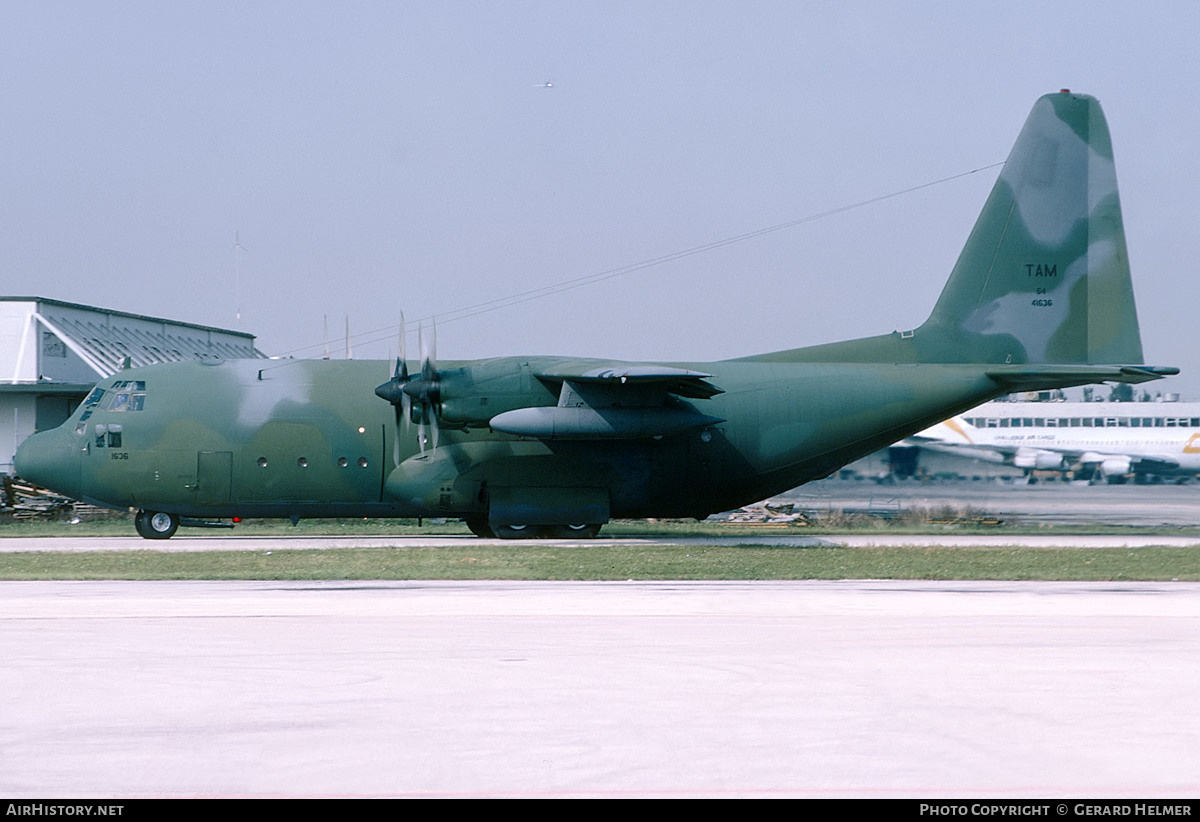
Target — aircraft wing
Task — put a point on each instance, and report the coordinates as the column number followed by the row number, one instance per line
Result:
column 683, row 382
column 978, row 452
column 617, row 401
column 1021, row 456
column 1158, row 463
column 955, row 437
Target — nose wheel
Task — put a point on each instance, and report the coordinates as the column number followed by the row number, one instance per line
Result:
column 156, row 524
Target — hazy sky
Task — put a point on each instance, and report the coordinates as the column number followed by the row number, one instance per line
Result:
column 379, row 157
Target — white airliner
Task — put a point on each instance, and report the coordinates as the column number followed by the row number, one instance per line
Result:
column 1110, row 439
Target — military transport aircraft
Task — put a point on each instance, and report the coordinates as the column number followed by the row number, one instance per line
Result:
column 1040, row 298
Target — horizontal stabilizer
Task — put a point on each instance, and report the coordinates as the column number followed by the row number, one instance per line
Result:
column 1044, row 377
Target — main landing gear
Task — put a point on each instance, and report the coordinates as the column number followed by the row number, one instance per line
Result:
column 481, row 528
column 155, row 524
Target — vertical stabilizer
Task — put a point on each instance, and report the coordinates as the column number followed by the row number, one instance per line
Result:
column 1044, row 276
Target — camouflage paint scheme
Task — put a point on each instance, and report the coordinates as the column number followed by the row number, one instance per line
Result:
column 1040, row 298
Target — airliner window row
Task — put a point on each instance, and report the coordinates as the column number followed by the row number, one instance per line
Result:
column 1084, row 422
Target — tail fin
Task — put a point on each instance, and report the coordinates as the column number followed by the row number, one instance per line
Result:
column 1043, row 281
column 1044, row 276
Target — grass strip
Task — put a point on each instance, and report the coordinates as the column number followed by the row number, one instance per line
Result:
column 599, row 561
column 123, row 527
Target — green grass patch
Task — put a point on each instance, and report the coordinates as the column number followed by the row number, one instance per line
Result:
column 123, row 527
column 601, row 561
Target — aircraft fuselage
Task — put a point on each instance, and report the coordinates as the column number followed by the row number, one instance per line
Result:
column 310, row 439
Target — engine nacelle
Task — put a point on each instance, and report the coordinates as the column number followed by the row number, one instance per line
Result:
column 1115, row 466
column 1034, row 458
column 472, row 395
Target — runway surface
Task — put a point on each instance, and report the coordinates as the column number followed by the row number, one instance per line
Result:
column 729, row 689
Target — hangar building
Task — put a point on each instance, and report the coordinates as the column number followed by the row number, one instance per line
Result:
column 52, row 352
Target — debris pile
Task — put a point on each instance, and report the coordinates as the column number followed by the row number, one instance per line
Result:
column 767, row 514
column 24, row 502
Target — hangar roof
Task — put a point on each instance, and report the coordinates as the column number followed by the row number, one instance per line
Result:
column 81, row 343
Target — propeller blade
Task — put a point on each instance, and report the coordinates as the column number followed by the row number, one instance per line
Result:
column 393, row 392
column 401, row 356
column 425, row 388
column 428, row 353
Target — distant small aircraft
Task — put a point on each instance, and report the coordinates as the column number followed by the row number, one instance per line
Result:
column 1040, row 298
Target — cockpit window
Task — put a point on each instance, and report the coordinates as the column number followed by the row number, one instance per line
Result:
column 122, row 395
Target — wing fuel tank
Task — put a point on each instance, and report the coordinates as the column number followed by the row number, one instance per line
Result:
column 599, row 423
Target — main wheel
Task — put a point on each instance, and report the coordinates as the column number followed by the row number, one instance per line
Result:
column 156, row 524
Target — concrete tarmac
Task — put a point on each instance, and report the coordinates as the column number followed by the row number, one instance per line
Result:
column 1045, row 503
column 543, row 689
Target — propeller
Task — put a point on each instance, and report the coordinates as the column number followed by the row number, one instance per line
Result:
column 424, row 388
column 393, row 392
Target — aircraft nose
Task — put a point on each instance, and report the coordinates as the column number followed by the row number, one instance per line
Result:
column 52, row 460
